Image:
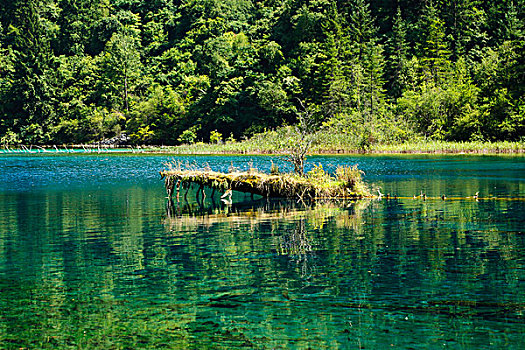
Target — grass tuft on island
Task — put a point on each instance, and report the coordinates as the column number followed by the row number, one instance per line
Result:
column 346, row 183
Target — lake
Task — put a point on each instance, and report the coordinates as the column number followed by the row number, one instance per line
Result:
column 93, row 256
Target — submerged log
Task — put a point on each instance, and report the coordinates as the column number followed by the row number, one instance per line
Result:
column 282, row 185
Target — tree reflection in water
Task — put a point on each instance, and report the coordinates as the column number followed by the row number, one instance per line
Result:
column 293, row 240
column 296, row 244
column 260, row 274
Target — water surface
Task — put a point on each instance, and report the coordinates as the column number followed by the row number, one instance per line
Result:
column 92, row 255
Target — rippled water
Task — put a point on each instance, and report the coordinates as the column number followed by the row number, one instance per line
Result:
column 93, row 256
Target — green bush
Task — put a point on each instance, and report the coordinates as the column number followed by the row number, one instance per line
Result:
column 189, row 136
column 215, row 137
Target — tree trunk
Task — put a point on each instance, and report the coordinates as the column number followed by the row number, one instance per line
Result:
column 126, row 105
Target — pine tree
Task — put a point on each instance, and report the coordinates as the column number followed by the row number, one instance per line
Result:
column 122, row 65
column 368, row 61
column 466, row 23
column 360, row 25
column 433, row 47
column 29, row 106
column 374, row 64
column 397, row 51
column 334, row 65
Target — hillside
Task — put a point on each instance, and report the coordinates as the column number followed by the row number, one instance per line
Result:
column 170, row 72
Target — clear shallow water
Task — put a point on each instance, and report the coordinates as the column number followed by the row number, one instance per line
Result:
column 91, row 256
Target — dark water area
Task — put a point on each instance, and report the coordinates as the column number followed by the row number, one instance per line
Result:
column 93, row 256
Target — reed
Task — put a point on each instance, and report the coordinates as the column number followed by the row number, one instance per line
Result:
column 339, row 143
column 435, row 146
column 325, row 143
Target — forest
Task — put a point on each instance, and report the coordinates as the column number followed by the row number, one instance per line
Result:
column 167, row 72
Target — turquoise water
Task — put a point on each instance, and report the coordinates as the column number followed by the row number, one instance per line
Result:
column 92, row 255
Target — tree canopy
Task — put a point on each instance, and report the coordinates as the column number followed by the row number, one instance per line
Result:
column 172, row 71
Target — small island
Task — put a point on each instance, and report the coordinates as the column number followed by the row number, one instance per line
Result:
column 346, row 183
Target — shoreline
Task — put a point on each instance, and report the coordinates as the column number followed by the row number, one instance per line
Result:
column 246, row 148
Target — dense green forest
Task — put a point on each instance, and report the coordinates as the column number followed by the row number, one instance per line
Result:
column 175, row 71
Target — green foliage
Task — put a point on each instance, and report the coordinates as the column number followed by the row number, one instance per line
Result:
column 143, row 135
column 168, row 72
column 317, row 172
column 433, row 47
column 161, row 111
column 122, row 67
column 189, row 136
column 350, row 176
column 230, row 139
column 397, row 53
column 215, row 137
column 10, row 138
